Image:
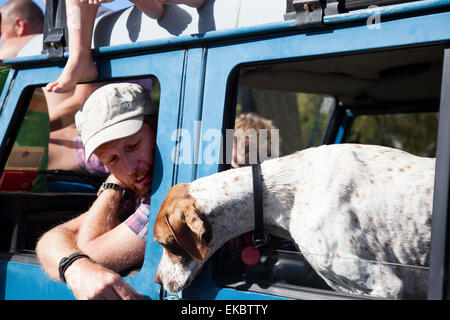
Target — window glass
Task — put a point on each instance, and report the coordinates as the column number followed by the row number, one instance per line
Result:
column 414, row 133
column 298, row 98
column 297, row 121
column 300, row 118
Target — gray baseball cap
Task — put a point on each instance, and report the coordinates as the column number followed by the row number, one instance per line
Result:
column 112, row 112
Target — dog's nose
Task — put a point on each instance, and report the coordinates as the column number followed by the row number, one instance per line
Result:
column 157, row 278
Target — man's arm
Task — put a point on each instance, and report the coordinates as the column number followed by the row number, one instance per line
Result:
column 11, row 47
column 91, row 281
column 103, row 238
column 63, row 106
column 86, row 278
column 6, row 52
column 58, row 243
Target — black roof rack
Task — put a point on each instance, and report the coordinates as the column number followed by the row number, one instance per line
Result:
column 55, row 29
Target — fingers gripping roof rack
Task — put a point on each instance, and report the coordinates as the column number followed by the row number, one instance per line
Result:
column 309, row 13
column 55, row 29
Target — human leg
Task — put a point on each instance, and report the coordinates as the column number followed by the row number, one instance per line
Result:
column 191, row 3
column 152, row 8
column 80, row 66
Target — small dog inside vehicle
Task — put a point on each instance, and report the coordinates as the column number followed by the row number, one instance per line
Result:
column 344, row 206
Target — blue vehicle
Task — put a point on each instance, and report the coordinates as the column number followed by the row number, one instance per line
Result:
column 329, row 71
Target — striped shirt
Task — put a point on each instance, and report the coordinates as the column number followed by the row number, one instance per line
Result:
column 136, row 210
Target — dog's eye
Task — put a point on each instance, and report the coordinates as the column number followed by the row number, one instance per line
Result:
column 175, row 249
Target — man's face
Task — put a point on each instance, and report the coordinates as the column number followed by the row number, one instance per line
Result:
column 240, row 154
column 131, row 159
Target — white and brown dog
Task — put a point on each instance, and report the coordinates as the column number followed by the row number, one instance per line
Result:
column 360, row 214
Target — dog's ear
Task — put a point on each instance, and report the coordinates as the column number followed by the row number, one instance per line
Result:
column 191, row 232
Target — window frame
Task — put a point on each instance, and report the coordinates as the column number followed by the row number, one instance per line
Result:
column 438, row 279
column 14, row 102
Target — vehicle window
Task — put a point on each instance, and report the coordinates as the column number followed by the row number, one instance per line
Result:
column 296, row 121
column 414, row 133
column 46, row 179
column 300, row 99
column 300, row 118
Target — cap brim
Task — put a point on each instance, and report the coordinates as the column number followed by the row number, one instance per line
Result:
column 117, row 131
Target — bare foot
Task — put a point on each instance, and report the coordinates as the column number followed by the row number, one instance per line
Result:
column 77, row 69
column 190, row 3
column 152, row 8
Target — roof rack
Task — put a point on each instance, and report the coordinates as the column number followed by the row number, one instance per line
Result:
column 56, row 35
column 316, row 13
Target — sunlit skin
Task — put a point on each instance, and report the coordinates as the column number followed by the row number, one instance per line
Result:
column 130, row 159
column 80, row 66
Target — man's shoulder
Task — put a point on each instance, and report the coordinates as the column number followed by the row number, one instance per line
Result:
column 12, row 47
column 8, row 50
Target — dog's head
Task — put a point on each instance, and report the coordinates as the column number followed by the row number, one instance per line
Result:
column 185, row 235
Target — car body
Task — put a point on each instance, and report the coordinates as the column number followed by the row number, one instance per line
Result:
column 204, row 62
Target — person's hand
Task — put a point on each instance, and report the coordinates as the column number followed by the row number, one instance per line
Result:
column 91, row 281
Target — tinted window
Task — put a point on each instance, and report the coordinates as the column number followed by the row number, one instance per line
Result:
column 298, row 98
column 414, row 133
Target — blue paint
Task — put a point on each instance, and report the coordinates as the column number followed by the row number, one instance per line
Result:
column 340, row 134
column 29, row 282
column 165, row 67
column 260, row 30
column 65, row 186
column 381, row 11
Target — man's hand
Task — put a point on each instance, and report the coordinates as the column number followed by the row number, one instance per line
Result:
column 91, row 281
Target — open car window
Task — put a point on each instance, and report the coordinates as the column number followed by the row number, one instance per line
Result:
column 383, row 100
column 47, row 180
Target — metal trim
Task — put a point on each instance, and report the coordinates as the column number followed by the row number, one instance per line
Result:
column 440, row 240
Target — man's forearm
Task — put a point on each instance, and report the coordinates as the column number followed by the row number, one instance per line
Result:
column 101, row 218
column 87, row 279
column 53, row 246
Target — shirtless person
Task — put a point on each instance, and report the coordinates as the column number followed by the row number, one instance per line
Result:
column 21, row 20
column 117, row 123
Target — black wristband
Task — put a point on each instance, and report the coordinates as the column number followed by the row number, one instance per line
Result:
column 110, row 185
column 66, row 262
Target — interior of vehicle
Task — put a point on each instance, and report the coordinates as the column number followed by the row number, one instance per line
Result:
column 42, row 184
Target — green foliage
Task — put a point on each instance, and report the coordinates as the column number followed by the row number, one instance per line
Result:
column 313, row 118
column 415, row 133
column 156, row 93
column 302, row 119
